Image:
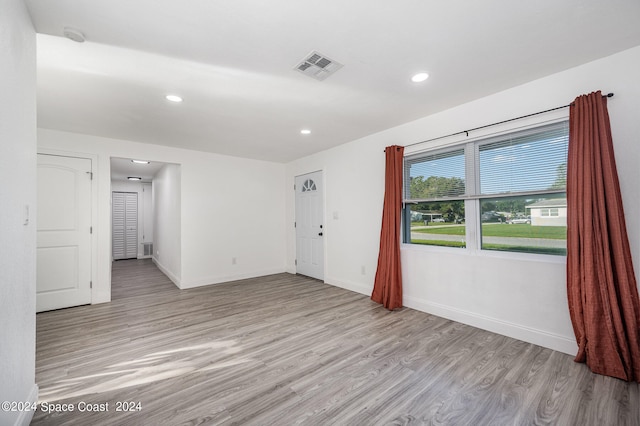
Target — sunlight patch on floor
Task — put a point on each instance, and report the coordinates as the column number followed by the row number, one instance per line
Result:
column 157, row 366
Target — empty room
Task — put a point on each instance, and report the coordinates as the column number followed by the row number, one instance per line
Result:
column 319, row 213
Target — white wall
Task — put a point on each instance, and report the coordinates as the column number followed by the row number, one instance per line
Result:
column 147, row 215
column 17, row 192
column 230, row 207
column 240, row 211
column 506, row 293
column 167, row 250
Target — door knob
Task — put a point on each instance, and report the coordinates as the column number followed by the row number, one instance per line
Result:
column 320, row 233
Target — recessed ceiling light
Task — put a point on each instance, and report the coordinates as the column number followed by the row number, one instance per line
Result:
column 174, row 98
column 140, row 161
column 134, row 178
column 420, row 77
column 305, row 131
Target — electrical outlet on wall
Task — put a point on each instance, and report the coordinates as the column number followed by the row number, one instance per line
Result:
column 234, row 261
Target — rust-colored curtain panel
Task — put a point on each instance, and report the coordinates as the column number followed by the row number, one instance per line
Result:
column 387, row 288
column 601, row 285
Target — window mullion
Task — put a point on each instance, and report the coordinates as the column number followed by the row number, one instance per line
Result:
column 472, row 224
column 471, row 169
column 471, row 205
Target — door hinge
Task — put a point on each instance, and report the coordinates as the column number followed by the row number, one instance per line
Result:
column 91, row 229
column 90, row 284
column 90, row 175
column 295, row 224
column 295, row 262
column 294, row 186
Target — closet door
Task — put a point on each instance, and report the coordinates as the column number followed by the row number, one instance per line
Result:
column 124, row 225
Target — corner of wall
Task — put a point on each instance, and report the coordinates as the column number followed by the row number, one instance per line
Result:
column 174, row 279
column 17, row 218
column 25, row 416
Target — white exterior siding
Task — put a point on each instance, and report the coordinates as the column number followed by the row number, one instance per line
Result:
column 537, row 219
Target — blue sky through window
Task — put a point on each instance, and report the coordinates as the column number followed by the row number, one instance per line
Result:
column 448, row 165
column 517, row 166
column 533, row 161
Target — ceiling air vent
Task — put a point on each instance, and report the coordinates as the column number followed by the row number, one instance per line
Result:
column 318, row 66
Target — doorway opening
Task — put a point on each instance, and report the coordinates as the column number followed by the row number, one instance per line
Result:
column 145, row 212
column 132, row 207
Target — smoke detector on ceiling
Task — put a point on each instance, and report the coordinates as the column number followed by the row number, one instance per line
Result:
column 73, row 34
column 318, row 66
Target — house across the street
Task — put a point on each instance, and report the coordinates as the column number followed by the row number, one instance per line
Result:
column 549, row 212
column 426, row 216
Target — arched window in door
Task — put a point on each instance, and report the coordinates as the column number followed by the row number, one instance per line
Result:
column 308, row 185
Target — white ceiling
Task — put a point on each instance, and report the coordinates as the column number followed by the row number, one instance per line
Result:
column 232, row 62
column 123, row 168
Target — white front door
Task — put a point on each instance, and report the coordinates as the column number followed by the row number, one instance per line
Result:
column 63, row 232
column 309, row 225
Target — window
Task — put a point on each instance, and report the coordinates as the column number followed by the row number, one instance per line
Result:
column 308, row 185
column 436, row 185
column 439, row 223
column 509, row 190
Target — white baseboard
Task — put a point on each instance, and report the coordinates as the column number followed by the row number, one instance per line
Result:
column 349, row 285
column 24, row 417
column 219, row 279
column 543, row 338
column 167, row 272
column 538, row 337
column 565, row 344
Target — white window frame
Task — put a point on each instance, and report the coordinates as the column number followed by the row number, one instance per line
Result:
column 472, row 195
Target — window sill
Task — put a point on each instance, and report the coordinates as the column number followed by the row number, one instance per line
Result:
column 507, row 255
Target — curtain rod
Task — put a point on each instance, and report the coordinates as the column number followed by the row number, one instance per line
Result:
column 466, row 132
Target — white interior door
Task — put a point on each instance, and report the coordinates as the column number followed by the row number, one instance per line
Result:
column 309, row 225
column 124, row 225
column 63, row 232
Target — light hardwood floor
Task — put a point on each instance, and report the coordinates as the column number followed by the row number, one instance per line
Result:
column 285, row 349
